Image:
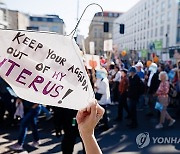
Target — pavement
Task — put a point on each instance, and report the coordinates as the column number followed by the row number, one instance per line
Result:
column 118, row 139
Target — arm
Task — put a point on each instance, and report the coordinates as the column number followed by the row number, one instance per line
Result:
column 87, row 119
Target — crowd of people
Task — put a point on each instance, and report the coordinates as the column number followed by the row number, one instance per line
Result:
column 139, row 86
column 129, row 87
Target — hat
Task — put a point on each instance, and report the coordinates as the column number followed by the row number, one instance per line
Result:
column 132, row 69
column 112, row 63
column 139, row 64
column 124, row 70
column 153, row 65
column 153, row 68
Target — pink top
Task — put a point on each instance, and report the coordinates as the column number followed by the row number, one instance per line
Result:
column 163, row 89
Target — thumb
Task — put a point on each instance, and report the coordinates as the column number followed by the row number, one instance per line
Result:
column 93, row 111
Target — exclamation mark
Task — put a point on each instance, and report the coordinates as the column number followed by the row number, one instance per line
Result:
column 66, row 94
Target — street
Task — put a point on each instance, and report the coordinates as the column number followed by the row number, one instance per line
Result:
column 118, row 139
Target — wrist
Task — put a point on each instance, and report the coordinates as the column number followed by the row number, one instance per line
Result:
column 86, row 135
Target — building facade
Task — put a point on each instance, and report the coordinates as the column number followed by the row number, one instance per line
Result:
column 96, row 30
column 3, row 15
column 17, row 20
column 149, row 25
column 51, row 23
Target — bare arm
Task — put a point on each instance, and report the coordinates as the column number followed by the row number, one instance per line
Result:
column 87, row 119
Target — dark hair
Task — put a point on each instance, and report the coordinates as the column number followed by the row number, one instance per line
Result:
column 116, row 66
column 111, row 66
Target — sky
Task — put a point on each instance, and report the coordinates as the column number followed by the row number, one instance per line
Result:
column 67, row 9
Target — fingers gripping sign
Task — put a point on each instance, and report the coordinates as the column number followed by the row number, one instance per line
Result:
column 88, row 118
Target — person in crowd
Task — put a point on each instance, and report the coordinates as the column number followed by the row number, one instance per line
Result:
column 123, row 89
column 177, row 86
column 133, row 94
column 87, row 120
column 30, row 118
column 6, row 103
column 102, row 60
column 111, row 74
column 47, row 112
column 102, row 88
column 152, row 84
column 140, row 73
column 115, row 84
column 162, row 94
column 65, row 119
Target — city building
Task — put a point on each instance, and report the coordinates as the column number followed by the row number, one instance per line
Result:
column 17, row 20
column 96, row 30
column 3, row 15
column 151, row 25
column 51, row 23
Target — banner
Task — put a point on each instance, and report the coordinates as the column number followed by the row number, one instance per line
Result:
column 158, row 45
column 144, row 53
column 44, row 68
column 92, row 61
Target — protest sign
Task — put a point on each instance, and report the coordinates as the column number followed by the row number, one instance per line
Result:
column 108, row 45
column 92, row 61
column 44, row 68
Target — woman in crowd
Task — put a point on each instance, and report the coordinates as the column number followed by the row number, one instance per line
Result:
column 30, row 118
column 123, row 88
column 162, row 94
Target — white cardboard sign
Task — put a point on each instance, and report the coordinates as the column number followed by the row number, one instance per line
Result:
column 44, row 68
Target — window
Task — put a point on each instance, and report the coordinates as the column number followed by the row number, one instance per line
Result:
column 95, row 34
column 55, row 29
column 151, row 32
column 169, row 3
column 144, row 25
column 162, row 6
column 56, row 20
column 162, row 18
column 169, row 16
column 178, row 34
column 148, row 24
column 156, row 32
column 157, row 20
column 152, row 22
column 157, row 9
column 110, row 14
column 44, row 19
column 147, row 34
column 152, row 11
column 144, row 35
column 33, row 18
column 168, row 29
column 49, row 19
column 152, row 2
column 161, row 31
column 179, row 16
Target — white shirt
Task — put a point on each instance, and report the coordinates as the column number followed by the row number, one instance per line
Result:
column 149, row 80
column 103, row 88
column 111, row 73
column 117, row 77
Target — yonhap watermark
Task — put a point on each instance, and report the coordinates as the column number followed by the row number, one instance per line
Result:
column 144, row 139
